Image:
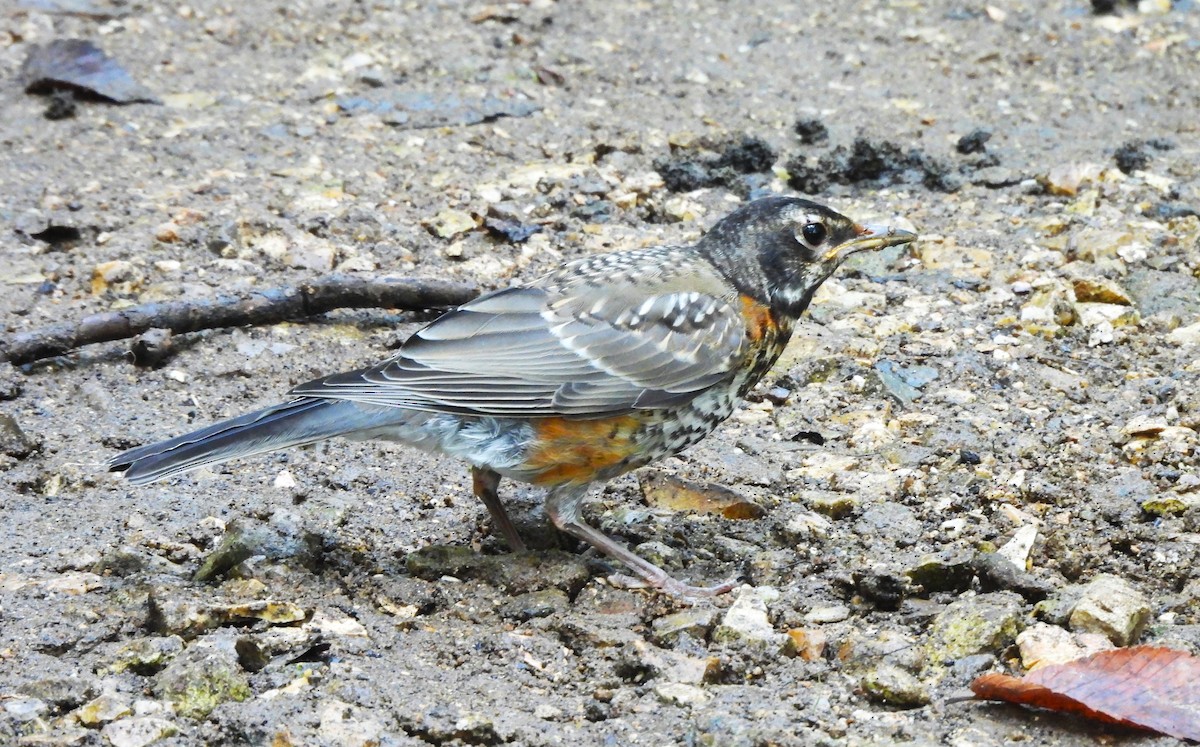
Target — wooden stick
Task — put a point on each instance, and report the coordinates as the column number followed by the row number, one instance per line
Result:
column 260, row 307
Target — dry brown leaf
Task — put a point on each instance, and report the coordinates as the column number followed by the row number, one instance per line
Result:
column 670, row 492
column 1147, row 687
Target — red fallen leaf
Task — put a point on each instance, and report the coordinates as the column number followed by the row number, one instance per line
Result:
column 1147, row 687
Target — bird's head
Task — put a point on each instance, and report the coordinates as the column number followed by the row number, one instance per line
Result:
column 793, row 245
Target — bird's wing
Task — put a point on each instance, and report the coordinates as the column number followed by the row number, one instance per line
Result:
column 584, row 342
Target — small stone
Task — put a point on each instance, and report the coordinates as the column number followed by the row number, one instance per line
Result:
column 1145, row 426
column 1100, row 290
column 1112, row 607
column 272, row 612
column 14, row 442
column 23, row 710
column 1048, row 308
column 864, row 648
column 998, row 573
column 884, row 590
column 283, row 537
column 665, row 491
column 138, row 732
column 1041, row 644
column 811, row 131
column 974, row 141
column 1017, row 549
column 807, row 643
column 805, row 526
column 695, row 622
column 144, row 655
column 103, row 709
column 1067, row 179
column 118, row 276
column 975, row 625
column 944, row 572
column 680, row 694
column 746, row 620
column 152, row 348
column 63, row 693
column 535, row 604
column 205, row 675
column 1092, row 244
column 1189, row 335
column 891, row 685
column 682, row 210
column 827, row 615
column 167, row 233
column 450, row 223
column 1096, row 314
column 833, row 505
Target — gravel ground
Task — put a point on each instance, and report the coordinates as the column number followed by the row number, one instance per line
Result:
column 979, row 451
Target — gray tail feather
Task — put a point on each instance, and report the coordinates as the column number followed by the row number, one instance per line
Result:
column 301, row 421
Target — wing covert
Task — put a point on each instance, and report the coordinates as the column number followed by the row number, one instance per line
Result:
column 582, row 349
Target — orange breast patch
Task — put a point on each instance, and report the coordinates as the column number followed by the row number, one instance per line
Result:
column 760, row 322
column 575, row 451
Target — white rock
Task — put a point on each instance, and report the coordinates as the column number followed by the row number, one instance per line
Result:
column 677, row 693
column 1189, row 335
column 746, row 619
column 138, row 732
column 1112, row 607
column 1017, row 549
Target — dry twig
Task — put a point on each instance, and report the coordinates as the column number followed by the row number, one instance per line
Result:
column 262, row 307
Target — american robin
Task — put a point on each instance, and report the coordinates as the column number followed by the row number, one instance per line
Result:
column 601, row 367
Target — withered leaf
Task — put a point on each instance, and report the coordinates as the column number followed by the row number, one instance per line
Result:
column 669, row 492
column 1147, row 687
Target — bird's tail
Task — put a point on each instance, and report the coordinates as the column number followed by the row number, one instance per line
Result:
column 301, row 421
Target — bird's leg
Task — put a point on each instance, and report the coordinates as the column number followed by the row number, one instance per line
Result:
column 563, row 504
column 484, row 482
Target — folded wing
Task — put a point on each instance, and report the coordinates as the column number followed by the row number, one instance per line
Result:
column 582, row 349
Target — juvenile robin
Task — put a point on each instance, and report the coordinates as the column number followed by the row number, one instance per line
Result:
column 601, row 367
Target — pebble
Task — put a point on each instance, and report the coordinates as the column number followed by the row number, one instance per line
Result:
column 807, row 643
column 119, row 276
column 534, row 604
column 1018, row 549
column 1189, row 335
column 143, row 654
column 205, row 675
column 1041, row 644
column 103, row 709
column 13, row 440
column 746, row 621
column 23, row 709
column 695, row 622
column 64, row 693
column 450, row 223
column 680, row 694
column 975, row 625
column 1100, row 290
column 827, row 615
column 1096, row 314
column 138, row 732
column 1111, row 606
column 891, row 685
column 948, row 571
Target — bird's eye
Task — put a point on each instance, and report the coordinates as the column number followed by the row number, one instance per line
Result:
column 814, row 234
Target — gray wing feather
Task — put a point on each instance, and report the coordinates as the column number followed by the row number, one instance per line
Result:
column 569, row 348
